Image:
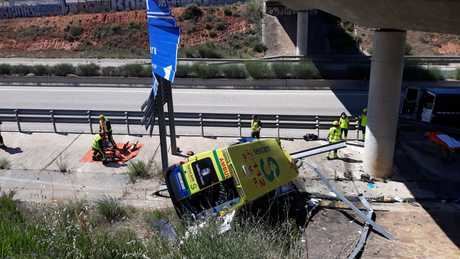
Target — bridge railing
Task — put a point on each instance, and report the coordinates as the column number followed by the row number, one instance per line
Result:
column 129, row 119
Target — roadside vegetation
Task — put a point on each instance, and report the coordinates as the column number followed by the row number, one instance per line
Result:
column 139, row 169
column 249, row 70
column 110, row 230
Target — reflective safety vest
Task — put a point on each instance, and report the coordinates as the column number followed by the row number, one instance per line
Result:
column 344, row 122
column 255, row 125
column 334, row 135
column 97, row 142
column 363, row 121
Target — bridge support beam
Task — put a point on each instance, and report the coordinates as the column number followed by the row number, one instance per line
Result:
column 383, row 103
column 302, row 33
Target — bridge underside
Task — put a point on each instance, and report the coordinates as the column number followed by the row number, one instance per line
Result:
column 421, row 15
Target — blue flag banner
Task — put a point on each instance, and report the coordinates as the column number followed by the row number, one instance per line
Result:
column 164, row 37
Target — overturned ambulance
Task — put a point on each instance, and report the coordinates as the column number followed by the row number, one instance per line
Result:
column 218, row 181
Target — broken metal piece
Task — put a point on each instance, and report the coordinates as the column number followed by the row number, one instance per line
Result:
column 318, row 150
column 365, row 233
column 363, row 216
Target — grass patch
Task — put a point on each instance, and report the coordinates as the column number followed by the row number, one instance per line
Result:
column 5, row 163
column 139, row 169
column 58, row 232
column 111, row 209
column 62, row 165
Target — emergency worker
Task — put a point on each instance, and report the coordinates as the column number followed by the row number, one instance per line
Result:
column 256, row 126
column 105, row 127
column 98, row 148
column 333, row 137
column 344, row 122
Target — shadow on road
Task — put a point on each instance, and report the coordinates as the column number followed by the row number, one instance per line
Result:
column 11, row 150
column 430, row 179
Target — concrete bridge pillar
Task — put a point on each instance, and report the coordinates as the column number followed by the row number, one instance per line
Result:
column 302, row 33
column 383, row 103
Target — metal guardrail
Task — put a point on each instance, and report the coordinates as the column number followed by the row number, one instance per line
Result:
column 186, row 119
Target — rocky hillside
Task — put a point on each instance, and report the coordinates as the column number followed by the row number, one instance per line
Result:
column 206, row 31
column 418, row 43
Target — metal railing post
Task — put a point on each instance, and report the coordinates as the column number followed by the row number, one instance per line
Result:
column 53, row 120
column 17, row 120
column 278, row 125
column 201, row 124
column 317, row 125
column 90, row 122
column 127, row 122
column 239, row 125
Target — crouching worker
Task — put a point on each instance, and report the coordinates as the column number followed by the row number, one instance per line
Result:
column 333, row 137
column 98, row 148
column 105, row 127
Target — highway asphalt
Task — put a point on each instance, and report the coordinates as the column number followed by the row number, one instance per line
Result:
column 308, row 102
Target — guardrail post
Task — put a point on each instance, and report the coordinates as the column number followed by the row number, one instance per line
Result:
column 16, row 112
column 317, row 124
column 278, row 125
column 127, row 122
column 239, row 125
column 53, row 120
column 201, row 124
column 357, row 130
column 89, row 121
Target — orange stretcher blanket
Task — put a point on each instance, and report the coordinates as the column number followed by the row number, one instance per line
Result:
column 121, row 155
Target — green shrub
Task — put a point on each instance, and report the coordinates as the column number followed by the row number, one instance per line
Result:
column 416, row 73
column 305, row 70
column 221, row 26
column 283, row 70
column 88, row 70
column 234, row 71
column 5, row 69
column 138, row 169
column 147, row 71
column 41, row 70
column 228, row 11
column 21, row 70
column 358, row 72
column 260, row 48
column 458, row 74
column 111, row 71
column 205, row 71
column 111, row 209
column 184, row 71
column 132, row 70
column 192, row 12
column 4, row 163
column 73, row 32
column 259, row 70
column 63, row 69
column 209, row 50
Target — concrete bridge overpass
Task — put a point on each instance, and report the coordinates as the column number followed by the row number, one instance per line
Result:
column 391, row 19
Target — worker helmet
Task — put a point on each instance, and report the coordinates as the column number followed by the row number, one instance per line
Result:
column 335, row 123
column 101, row 117
column 365, row 110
